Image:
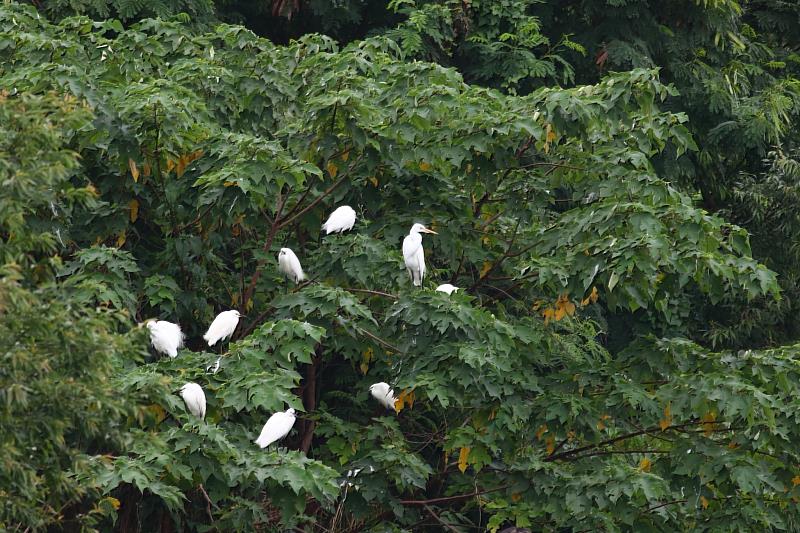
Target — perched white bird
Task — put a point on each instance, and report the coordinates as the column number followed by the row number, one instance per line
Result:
column 342, row 219
column 278, row 426
column 413, row 254
column 222, row 327
column 195, row 399
column 166, row 337
column 446, row 287
column 289, row 264
column 383, row 393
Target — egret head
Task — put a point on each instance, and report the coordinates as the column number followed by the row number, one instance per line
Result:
column 290, row 411
column 150, row 324
column 283, row 252
column 381, row 387
column 420, row 228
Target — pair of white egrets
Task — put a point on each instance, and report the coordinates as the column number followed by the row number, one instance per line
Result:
column 280, row 424
column 342, row 219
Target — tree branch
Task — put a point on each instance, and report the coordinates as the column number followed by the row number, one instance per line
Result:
column 458, row 497
column 438, row 519
column 375, row 293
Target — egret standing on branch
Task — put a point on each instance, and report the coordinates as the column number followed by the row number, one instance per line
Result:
column 289, row 264
column 222, row 327
column 195, row 399
column 342, row 219
column 414, row 255
column 384, row 394
column 166, row 337
column 278, row 426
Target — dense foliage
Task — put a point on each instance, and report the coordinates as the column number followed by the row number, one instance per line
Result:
column 618, row 357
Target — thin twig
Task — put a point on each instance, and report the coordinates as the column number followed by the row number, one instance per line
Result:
column 438, row 519
column 208, row 502
column 379, row 340
column 458, row 497
column 375, row 293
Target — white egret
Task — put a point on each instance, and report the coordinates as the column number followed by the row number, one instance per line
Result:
column 195, row 399
column 383, row 393
column 446, row 287
column 166, row 337
column 413, row 254
column 278, row 426
column 222, row 327
column 342, row 219
column 289, row 264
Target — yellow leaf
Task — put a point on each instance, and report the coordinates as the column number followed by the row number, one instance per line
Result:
column 92, row 189
column 234, row 300
column 515, row 497
column 548, row 314
column 569, row 307
column 487, row 265
column 795, row 481
column 248, row 306
column 346, row 155
column 485, row 239
column 134, row 169
column 398, row 405
column 551, row 444
column 236, row 230
column 367, row 357
column 704, row 502
column 469, row 168
column 463, row 455
column 594, row 295
column 708, row 423
column 180, row 166
column 666, row 422
column 601, row 423
column 170, row 165
column 229, row 184
column 373, row 180
column 146, row 169
column 493, row 414
column 332, row 169
column 551, row 134
column 133, row 205
column 560, row 312
column 423, row 166
column 645, row 464
column 121, row 238
column 541, row 431
column 113, row 502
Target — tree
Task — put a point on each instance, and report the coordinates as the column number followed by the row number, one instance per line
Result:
column 517, row 401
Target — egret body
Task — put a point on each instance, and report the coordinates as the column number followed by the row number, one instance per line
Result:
column 289, row 264
column 195, row 399
column 278, row 426
column 342, row 219
column 414, row 255
column 383, row 393
column 222, row 327
column 166, row 337
column 446, row 287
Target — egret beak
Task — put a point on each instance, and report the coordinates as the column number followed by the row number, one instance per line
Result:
column 426, row 230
